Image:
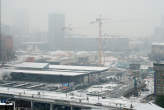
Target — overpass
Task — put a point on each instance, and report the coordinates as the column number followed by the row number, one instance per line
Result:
column 52, row 100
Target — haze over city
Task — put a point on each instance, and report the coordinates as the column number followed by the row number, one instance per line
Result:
column 129, row 17
column 81, row 55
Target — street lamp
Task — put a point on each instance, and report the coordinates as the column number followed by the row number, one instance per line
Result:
column 0, row 35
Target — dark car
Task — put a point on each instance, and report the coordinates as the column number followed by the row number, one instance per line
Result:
column 98, row 104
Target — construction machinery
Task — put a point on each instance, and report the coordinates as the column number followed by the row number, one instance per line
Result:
column 100, row 20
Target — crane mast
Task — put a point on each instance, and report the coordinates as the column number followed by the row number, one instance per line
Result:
column 99, row 20
column 100, row 49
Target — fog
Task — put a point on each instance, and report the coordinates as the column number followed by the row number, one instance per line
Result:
column 82, row 54
column 135, row 18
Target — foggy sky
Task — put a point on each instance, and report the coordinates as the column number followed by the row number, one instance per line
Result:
column 132, row 17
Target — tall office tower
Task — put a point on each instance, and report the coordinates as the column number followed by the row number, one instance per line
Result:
column 159, row 32
column 21, row 21
column 157, row 52
column 159, row 83
column 56, row 23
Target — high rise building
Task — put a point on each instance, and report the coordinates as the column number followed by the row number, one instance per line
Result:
column 159, row 32
column 20, row 22
column 159, row 83
column 56, row 23
column 157, row 52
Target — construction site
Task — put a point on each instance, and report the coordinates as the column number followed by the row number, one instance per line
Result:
column 70, row 80
column 62, row 69
column 39, row 83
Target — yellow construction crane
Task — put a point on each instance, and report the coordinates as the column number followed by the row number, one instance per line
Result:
column 99, row 20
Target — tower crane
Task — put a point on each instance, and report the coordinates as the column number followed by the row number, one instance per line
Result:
column 99, row 21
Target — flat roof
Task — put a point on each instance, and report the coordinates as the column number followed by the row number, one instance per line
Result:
column 47, row 72
column 158, row 44
column 31, row 65
column 60, row 67
column 80, row 68
column 5, row 104
column 159, row 63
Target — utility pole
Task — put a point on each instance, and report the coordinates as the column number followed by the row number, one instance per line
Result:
column 0, row 35
column 2, row 59
column 99, row 21
column 1, row 45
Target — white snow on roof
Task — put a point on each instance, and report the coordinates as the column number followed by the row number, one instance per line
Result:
column 144, row 67
column 158, row 44
column 6, row 104
column 48, row 72
column 31, row 65
column 82, row 68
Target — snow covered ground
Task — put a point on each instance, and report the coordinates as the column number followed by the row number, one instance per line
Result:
column 147, row 106
column 80, row 97
column 64, row 96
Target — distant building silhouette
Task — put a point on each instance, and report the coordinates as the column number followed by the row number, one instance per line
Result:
column 56, row 23
column 58, row 41
column 159, row 32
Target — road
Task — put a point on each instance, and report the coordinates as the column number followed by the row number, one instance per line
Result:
column 64, row 98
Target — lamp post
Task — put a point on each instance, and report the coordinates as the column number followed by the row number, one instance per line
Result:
column 0, row 35
column 13, row 104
